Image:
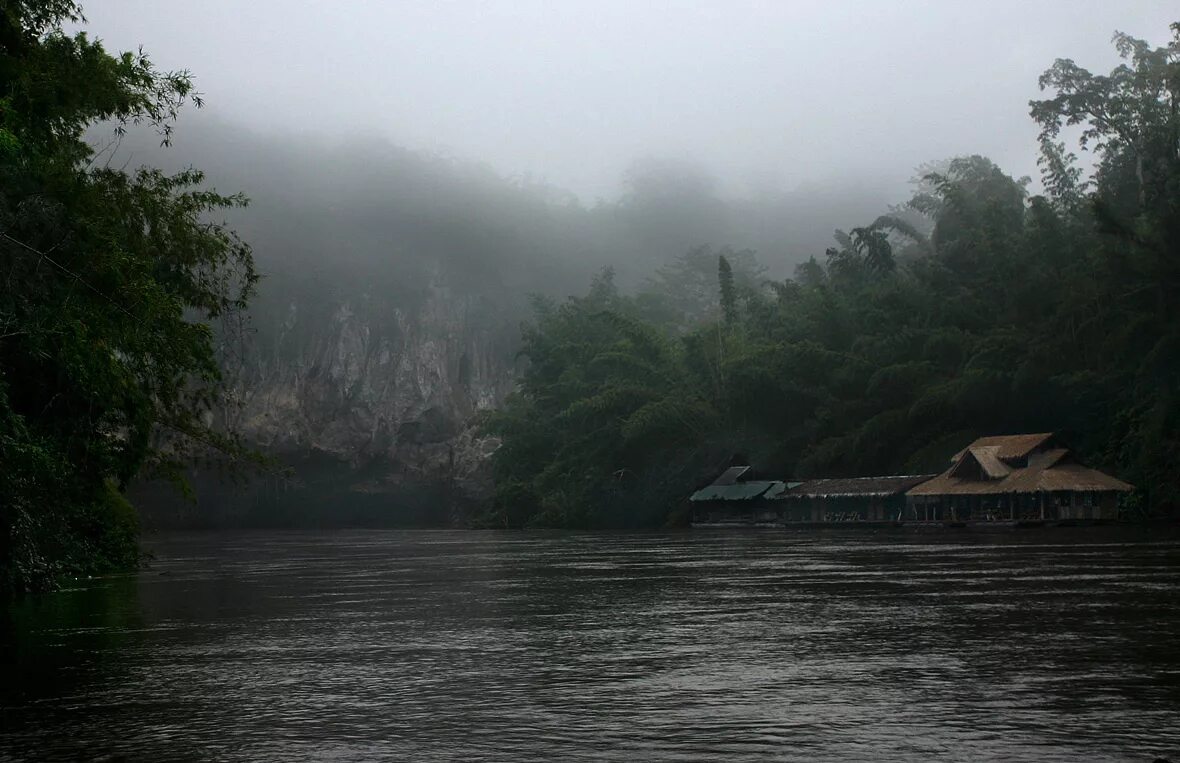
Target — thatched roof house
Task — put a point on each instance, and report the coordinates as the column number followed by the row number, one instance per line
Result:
column 848, row 499
column 1015, row 477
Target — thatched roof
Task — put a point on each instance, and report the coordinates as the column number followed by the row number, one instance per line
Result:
column 777, row 489
column 867, row 487
column 988, row 458
column 1008, row 446
column 1048, row 470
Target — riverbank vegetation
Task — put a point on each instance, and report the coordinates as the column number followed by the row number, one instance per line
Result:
column 975, row 308
column 108, row 367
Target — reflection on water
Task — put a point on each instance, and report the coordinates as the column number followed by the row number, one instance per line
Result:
column 787, row 645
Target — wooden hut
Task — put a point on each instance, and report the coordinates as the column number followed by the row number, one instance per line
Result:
column 847, row 499
column 1028, row 478
column 731, row 499
column 734, row 500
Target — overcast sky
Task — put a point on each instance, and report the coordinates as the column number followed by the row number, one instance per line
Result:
column 763, row 93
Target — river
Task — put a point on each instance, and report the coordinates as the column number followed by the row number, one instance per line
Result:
column 1038, row 645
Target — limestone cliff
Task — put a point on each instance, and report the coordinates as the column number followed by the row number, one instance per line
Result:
column 371, row 398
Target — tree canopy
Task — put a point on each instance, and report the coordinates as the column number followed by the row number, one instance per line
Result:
column 108, row 364
column 975, row 309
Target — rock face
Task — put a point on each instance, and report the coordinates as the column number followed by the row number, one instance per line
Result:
column 372, row 400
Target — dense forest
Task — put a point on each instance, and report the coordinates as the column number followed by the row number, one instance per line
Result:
column 135, row 321
column 977, row 308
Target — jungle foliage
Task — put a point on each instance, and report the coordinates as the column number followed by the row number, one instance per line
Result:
column 974, row 309
column 108, row 365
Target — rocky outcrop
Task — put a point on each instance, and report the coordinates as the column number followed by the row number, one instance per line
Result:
column 389, row 391
column 372, row 400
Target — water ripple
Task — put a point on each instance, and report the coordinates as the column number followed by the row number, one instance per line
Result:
column 850, row 645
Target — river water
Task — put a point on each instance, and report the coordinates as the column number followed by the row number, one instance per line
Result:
column 1045, row 645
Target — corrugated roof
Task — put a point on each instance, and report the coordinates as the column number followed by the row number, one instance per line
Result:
column 737, row 491
column 731, row 475
column 1008, row 445
column 779, row 488
column 855, row 486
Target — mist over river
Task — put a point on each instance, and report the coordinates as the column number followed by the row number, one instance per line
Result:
column 1046, row 645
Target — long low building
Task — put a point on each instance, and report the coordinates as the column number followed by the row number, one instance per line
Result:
column 848, row 499
column 1010, row 479
column 732, row 500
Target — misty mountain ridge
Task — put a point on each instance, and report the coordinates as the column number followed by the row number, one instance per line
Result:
column 403, row 204
column 395, row 282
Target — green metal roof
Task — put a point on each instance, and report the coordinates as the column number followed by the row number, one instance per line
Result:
column 739, row 491
column 779, row 488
